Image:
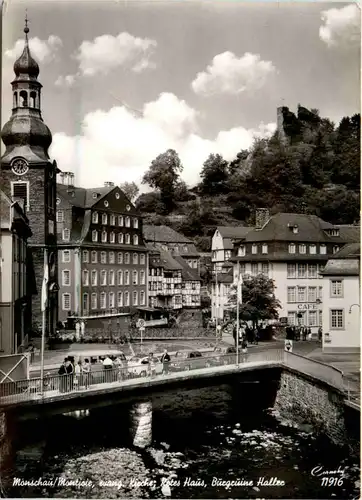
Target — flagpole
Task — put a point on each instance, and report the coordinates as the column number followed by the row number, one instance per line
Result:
column 44, row 300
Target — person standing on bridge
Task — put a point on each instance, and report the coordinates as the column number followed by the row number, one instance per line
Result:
column 86, row 373
column 62, row 372
column 108, row 369
column 70, row 375
column 165, row 359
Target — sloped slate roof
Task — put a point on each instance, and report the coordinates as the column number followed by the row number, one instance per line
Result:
column 342, row 267
column 310, row 228
column 163, row 234
column 350, row 251
column 234, row 232
column 167, row 261
column 188, row 274
column 81, row 197
column 350, row 233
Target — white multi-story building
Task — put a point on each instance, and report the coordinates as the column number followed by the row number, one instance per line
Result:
column 221, row 253
column 291, row 249
column 341, row 307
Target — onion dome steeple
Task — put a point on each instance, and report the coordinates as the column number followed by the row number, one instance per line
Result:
column 26, row 65
column 25, row 134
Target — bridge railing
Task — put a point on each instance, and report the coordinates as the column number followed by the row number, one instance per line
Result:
column 125, row 374
column 321, row 371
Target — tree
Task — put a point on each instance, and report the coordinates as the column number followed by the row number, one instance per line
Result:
column 150, row 203
column 214, row 175
column 163, row 175
column 130, row 189
column 258, row 301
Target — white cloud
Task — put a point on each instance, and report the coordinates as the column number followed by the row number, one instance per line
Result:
column 230, row 74
column 342, row 27
column 66, row 81
column 43, row 51
column 107, row 52
column 118, row 146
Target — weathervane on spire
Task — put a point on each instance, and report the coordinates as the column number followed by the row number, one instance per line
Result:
column 26, row 29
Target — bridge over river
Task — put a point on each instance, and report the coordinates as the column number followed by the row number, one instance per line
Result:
column 64, row 391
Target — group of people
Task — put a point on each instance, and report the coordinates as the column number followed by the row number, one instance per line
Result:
column 301, row 333
column 74, row 375
column 165, row 360
column 115, row 368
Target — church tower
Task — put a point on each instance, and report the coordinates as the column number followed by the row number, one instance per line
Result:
column 28, row 173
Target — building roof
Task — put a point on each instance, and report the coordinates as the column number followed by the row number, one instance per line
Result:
column 225, row 277
column 233, row 232
column 350, row 251
column 350, row 233
column 278, row 228
column 229, row 233
column 163, row 234
column 165, row 260
column 81, row 197
column 187, row 272
column 346, row 262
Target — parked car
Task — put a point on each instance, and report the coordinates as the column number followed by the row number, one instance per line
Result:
column 190, row 360
column 138, row 366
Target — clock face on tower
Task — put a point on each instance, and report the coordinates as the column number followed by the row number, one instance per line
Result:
column 19, row 166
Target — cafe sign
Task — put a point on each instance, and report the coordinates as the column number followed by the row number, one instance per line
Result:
column 307, row 307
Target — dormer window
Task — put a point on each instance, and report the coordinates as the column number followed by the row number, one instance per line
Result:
column 241, row 251
column 95, row 217
column 295, row 229
column 254, row 248
column 335, row 232
column 291, row 248
column 264, row 248
column 94, row 196
column 302, row 248
column 104, row 218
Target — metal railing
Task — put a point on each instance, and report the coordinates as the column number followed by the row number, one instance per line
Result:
column 126, row 374
column 352, row 387
column 129, row 374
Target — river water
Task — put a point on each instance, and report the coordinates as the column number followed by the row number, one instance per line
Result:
column 197, row 440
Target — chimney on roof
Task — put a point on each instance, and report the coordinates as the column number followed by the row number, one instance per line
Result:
column 109, row 184
column 261, row 217
column 67, row 178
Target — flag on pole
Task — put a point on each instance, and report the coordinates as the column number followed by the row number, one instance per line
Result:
column 44, row 290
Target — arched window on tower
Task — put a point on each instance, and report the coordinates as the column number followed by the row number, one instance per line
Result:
column 15, row 100
column 33, row 99
column 24, row 99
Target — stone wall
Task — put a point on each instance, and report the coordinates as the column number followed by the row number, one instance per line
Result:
column 302, row 401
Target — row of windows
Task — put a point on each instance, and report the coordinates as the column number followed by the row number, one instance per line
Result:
column 304, row 271
column 115, row 220
column 292, row 249
column 304, row 294
column 121, row 238
column 310, row 318
column 123, row 300
column 123, row 278
column 169, row 286
column 256, row 268
column 122, row 258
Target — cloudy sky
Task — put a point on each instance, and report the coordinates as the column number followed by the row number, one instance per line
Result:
column 126, row 80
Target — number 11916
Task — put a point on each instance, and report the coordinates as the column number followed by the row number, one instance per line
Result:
column 332, row 481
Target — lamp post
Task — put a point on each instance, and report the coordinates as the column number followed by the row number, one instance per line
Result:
column 239, row 290
column 216, row 303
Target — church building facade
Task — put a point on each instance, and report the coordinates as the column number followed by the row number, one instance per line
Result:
column 28, row 174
